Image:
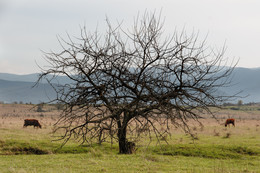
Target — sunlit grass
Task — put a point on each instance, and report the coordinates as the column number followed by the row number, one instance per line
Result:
column 90, row 162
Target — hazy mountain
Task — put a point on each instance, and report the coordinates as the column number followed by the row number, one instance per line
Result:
column 248, row 81
column 31, row 78
column 17, row 91
column 23, row 78
column 19, row 87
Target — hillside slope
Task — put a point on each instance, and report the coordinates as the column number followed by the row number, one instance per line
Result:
column 246, row 80
column 11, row 91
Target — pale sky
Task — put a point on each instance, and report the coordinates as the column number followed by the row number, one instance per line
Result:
column 29, row 26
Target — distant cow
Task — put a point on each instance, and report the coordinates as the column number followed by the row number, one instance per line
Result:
column 32, row 122
column 230, row 121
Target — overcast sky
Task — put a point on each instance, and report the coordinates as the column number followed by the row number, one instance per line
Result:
column 29, row 26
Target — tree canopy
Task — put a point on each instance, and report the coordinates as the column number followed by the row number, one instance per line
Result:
column 126, row 82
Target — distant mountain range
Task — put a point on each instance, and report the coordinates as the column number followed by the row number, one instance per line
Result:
column 19, row 88
column 19, row 91
column 246, row 80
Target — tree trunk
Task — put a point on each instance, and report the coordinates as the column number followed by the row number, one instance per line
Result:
column 125, row 147
column 122, row 141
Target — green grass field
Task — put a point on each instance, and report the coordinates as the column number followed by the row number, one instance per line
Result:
column 31, row 150
column 216, row 149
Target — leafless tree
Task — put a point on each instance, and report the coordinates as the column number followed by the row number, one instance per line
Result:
column 133, row 81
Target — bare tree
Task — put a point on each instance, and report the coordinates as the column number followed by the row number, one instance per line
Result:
column 132, row 81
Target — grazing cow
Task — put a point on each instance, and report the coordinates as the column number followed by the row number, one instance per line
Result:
column 32, row 122
column 230, row 121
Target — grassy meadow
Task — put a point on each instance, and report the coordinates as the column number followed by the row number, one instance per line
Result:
column 214, row 149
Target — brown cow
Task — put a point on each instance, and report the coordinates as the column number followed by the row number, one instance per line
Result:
column 230, row 121
column 32, row 122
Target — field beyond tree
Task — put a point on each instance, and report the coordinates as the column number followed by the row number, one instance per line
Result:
column 210, row 148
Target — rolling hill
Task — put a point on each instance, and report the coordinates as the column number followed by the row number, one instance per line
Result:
column 18, row 88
